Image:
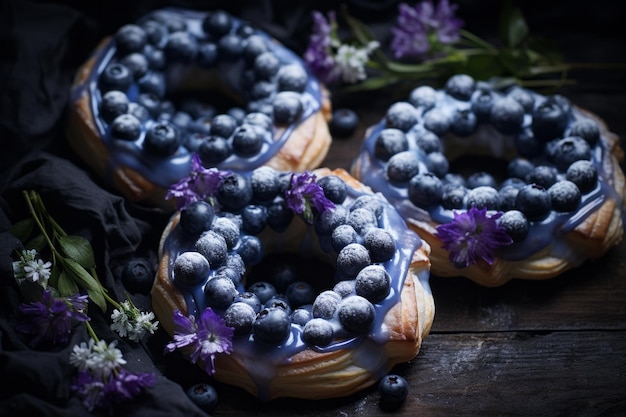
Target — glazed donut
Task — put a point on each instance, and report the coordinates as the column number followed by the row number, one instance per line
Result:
column 179, row 82
column 310, row 336
column 502, row 182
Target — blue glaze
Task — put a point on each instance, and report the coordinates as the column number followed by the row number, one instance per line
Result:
column 164, row 171
column 550, row 231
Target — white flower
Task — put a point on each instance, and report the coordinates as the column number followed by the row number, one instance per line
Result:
column 107, row 358
column 351, row 61
column 132, row 323
column 82, row 355
column 37, row 271
column 121, row 323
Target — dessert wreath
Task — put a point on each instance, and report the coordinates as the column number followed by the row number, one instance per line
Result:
column 549, row 196
column 304, row 336
column 179, row 82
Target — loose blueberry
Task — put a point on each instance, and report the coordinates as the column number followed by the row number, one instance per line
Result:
column 403, row 166
column 425, row 190
column 460, row 86
column 272, row 326
column 318, row 332
column 204, row 396
column 401, row 115
column 196, row 218
column 393, row 390
column 138, row 276
column 356, row 314
column 240, row 316
column 584, row 174
column 162, row 139
column 515, row 224
column 220, row 292
column 565, row 196
column 373, row 283
column 343, row 123
column 326, row 304
column 534, row 201
column 191, row 269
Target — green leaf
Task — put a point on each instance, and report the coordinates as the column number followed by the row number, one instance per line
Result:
column 39, row 242
column 78, row 249
column 512, row 26
column 23, row 229
column 86, row 281
column 66, row 285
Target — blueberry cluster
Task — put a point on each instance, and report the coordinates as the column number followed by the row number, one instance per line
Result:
column 223, row 250
column 552, row 171
column 135, row 103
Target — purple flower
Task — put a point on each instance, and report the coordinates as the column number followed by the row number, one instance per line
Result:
column 318, row 56
column 421, row 28
column 52, row 318
column 89, row 389
column 471, row 236
column 303, row 192
column 200, row 184
column 207, row 337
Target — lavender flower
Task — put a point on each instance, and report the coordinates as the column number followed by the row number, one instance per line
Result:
column 101, row 381
column 200, row 184
column 207, row 337
column 52, row 318
column 471, row 236
column 303, row 192
column 129, row 322
column 423, row 28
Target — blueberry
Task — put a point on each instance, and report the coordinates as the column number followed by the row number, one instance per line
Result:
column 254, row 218
column 263, row 290
column 389, row 142
column 325, row 304
column 345, row 288
column 262, row 89
column 208, row 55
column 528, row 145
column 299, row 293
column 460, row 86
column 423, row 97
column 250, row 298
column 247, row 140
column 198, row 109
column 523, row 97
column 151, row 102
column 153, row 83
column 481, row 102
column 139, row 111
column 454, row 179
column 403, row 166
column 261, row 120
column 453, row 197
column 342, row 236
column 265, row 184
column 155, row 32
column 138, row 276
column 380, row 244
column 235, row 192
column 240, row 317
column 428, row 142
column 228, row 229
column 393, row 390
column 217, row 23
column 318, row 332
column 507, row 115
column 565, row 196
column 437, row 163
column 534, row 201
column 137, row 63
column 116, row 76
column 568, row 150
column 279, row 215
column 278, row 301
column 201, row 124
column 254, row 46
column 328, row 220
column 483, row 196
column 162, row 139
column 282, row 274
column 272, row 326
column 156, row 58
column 237, row 113
column 191, row 269
column 549, row 119
column 220, row 292
column 343, row 123
column 584, row 174
column 362, row 219
column 515, row 224
column 223, row 125
column 287, row 108
column 125, row 127
column 204, row 396
column 214, row 149
column 230, row 46
column 586, row 129
column 266, row 65
column 356, row 314
column 302, row 314
column 130, row 38
column 508, row 194
column 519, row 168
column 334, row 188
column 251, row 250
column 463, row 122
column 481, row 179
column 437, row 121
column 373, row 283
column 401, row 115
column 213, row 246
column 543, row 175
column 351, row 259
column 425, row 190
column 291, row 77
column 371, row 202
column 113, row 104
column 196, row 218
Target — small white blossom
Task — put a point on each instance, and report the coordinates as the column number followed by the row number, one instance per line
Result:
column 132, row 323
column 31, row 268
column 351, row 61
column 82, row 355
column 107, row 358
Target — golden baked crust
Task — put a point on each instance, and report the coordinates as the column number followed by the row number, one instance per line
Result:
column 310, row 374
column 305, row 149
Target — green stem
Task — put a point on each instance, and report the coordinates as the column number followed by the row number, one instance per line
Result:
column 91, row 332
